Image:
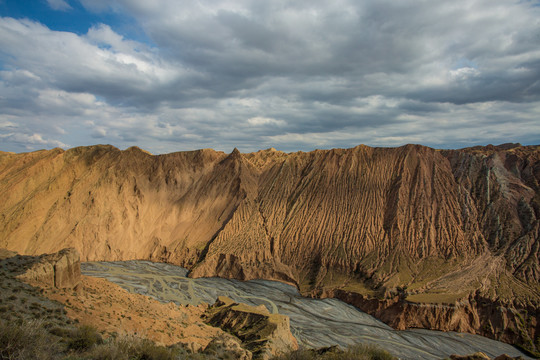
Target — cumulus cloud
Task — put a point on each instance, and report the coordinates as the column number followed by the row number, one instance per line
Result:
column 27, row 141
column 292, row 75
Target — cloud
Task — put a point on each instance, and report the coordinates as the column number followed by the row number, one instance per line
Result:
column 61, row 5
column 252, row 74
column 260, row 121
column 464, row 73
column 27, row 141
column 99, row 132
column 101, row 63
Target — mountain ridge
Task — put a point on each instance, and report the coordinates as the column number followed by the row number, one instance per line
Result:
column 425, row 225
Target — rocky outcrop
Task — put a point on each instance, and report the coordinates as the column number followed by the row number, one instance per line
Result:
column 476, row 315
column 264, row 334
column 504, row 184
column 437, row 226
column 59, row 270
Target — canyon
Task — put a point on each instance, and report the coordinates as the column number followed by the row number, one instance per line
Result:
column 315, row 323
column 418, row 237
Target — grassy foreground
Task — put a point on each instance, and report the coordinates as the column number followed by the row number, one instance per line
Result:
column 29, row 340
column 25, row 340
column 353, row 352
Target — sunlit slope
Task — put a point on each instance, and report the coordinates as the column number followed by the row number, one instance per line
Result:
column 370, row 220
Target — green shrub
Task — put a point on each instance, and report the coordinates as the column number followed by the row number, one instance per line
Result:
column 84, row 338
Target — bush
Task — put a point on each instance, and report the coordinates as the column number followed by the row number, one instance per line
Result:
column 25, row 340
column 144, row 349
column 107, row 351
column 84, row 338
column 133, row 348
column 60, row 332
column 368, row 351
column 354, row 352
column 299, row 355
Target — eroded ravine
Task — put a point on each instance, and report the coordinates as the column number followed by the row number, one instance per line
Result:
column 314, row 323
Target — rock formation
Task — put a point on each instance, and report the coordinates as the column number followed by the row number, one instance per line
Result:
column 264, row 334
column 413, row 223
column 477, row 315
column 59, row 270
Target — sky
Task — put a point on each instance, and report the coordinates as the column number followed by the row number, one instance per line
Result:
column 169, row 75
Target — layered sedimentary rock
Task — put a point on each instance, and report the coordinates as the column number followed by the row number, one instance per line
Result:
column 425, row 226
column 264, row 334
column 476, row 314
column 59, row 270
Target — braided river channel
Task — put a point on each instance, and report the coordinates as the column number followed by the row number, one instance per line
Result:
column 314, row 322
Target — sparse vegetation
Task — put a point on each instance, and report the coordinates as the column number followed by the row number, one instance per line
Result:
column 354, row 352
column 26, row 340
column 131, row 347
column 84, row 338
column 30, row 340
column 436, row 298
column 34, row 327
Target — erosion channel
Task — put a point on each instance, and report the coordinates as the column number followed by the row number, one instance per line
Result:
column 315, row 323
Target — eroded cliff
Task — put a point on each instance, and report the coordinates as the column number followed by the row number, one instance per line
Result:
column 61, row 270
column 424, row 225
column 265, row 335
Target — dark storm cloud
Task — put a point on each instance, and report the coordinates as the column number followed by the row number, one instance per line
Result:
column 255, row 74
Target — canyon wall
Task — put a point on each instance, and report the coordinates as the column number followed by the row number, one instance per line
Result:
column 427, row 226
